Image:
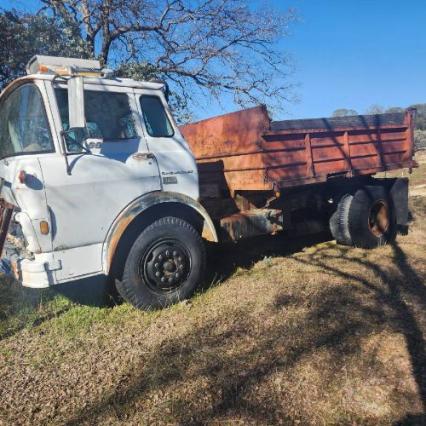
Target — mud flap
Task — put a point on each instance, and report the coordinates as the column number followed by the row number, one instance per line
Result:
column 399, row 196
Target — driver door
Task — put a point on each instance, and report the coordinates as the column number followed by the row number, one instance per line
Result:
column 85, row 200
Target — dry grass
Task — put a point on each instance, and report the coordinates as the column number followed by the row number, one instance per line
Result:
column 291, row 332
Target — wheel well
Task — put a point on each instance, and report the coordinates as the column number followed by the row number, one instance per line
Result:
column 142, row 221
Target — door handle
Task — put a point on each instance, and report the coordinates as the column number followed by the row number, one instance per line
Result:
column 143, row 156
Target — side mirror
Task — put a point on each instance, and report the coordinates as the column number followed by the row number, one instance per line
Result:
column 77, row 116
column 72, row 142
column 74, row 139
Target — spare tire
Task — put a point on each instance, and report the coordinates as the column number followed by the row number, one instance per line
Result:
column 365, row 219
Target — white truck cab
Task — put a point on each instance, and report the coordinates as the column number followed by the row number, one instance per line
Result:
column 101, row 182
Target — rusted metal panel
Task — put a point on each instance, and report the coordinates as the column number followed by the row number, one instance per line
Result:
column 6, row 211
column 235, row 133
column 251, row 223
column 245, row 151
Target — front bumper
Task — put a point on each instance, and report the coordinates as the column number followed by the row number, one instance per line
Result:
column 37, row 272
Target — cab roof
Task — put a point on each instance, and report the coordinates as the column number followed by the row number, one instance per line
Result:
column 89, row 69
column 104, row 81
column 101, row 81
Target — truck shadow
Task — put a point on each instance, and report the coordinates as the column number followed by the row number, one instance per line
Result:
column 25, row 305
column 400, row 292
column 22, row 307
column 225, row 259
column 228, row 359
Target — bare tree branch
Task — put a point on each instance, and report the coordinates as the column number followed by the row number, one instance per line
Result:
column 214, row 46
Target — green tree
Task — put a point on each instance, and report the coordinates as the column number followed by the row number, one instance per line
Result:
column 395, row 109
column 420, row 116
column 420, row 139
column 24, row 35
column 375, row 109
column 343, row 112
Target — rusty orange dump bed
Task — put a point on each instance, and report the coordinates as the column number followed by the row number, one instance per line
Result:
column 246, row 151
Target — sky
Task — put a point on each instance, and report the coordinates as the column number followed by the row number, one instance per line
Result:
column 347, row 54
column 355, row 53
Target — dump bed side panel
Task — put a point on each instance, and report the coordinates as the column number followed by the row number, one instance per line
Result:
column 347, row 146
column 244, row 151
column 228, row 150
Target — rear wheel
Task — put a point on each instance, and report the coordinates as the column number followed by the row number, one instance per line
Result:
column 371, row 218
column 365, row 219
column 339, row 221
column 165, row 265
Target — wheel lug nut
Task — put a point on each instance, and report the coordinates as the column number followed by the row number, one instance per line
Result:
column 157, row 274
column 160, row 257
column 180, row 258
column 175, row 253
column 163, row 280
column 167, row 253
column 170, row 280
column 157, row 265
column 177, row 275
column 181, row 267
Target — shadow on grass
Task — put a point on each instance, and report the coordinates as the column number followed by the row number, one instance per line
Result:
column 225, row 259
column 217, row 370
column 405, row 284
column 228, row 359
column 22, row 307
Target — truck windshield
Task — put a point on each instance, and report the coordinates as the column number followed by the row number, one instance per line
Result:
column 24, row 128
column 108, row 115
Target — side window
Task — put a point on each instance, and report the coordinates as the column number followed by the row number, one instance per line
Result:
column 108, row 115
column 24, row 128
column 156, row 121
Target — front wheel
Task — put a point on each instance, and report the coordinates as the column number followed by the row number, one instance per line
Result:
column 165, row 265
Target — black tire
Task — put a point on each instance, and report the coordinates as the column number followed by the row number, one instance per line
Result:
column 372, row 221
column 365, row 219
column 339, row 221
column 165, row 265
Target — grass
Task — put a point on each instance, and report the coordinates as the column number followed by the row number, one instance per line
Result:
column 418, row 176
column 21, row 308
column 292, row 331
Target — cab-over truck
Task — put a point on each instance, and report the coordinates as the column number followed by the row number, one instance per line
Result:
column 98, row 180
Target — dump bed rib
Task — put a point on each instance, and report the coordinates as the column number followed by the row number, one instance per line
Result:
column 246, row 151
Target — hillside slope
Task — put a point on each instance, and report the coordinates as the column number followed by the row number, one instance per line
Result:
column 289, row 331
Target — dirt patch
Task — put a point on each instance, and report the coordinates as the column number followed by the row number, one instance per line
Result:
column 418, row 190
column 421, row 156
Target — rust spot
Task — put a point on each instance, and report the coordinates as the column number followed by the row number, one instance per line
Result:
column 207, row 233
column 117, row 234
column 251, row 223
column 15, row 269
